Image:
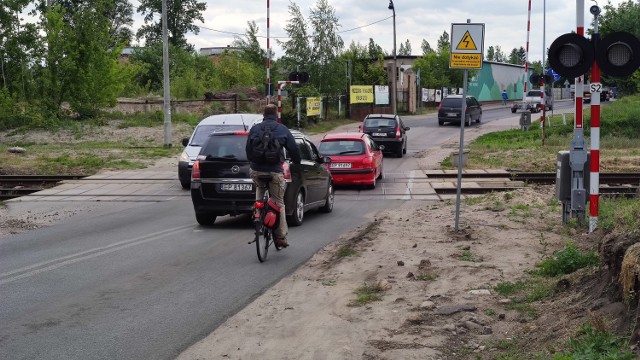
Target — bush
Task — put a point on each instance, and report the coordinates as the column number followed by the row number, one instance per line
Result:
column 566, row 261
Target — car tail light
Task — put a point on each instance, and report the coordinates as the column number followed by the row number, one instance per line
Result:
column 287, row 171
column 259, row 204
column 195, row 171
column 439, row 106
column 398, row 132
column 367, row 161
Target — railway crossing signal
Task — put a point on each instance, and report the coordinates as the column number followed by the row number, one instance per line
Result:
column 618, row 54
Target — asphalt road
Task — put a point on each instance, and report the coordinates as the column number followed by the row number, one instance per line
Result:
column 144, row 281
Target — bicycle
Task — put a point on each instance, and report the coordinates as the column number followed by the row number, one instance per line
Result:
column 263, row 234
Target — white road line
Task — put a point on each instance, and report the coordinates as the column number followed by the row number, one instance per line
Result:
column 407, row 192
column 35, row 269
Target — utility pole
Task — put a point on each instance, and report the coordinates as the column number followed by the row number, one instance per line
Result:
column 166, row 86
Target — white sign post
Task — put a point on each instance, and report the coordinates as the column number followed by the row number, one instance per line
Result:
column 467, row 48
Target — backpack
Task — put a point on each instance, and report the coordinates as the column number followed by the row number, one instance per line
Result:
column 265, row 147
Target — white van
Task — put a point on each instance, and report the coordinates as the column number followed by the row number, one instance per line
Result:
column 208, row 125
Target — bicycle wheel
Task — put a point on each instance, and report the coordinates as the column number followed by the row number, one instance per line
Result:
column 262, row 241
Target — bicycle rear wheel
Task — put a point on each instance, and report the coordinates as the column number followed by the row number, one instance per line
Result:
column 262, row 242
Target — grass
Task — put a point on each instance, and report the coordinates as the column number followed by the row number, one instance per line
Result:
column 325, row 126
column 593, row 342
column 467, row 256
column 566, row 261
column 622, row 215
column 367, row 293
column 345, row 251
column 524, row 150
column 427, row 276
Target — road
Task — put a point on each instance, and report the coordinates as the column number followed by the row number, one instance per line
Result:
column 144, row 281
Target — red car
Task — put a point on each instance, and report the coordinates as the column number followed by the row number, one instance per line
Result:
column 355, row 158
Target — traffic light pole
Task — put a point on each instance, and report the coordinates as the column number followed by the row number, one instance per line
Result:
column 578, row 150
column 594, row 177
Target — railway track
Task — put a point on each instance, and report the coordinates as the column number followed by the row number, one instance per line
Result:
column 611, row 184
column 12, row 186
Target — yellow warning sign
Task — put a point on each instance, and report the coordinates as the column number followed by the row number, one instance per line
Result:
column 466, row 43
column 465, row 61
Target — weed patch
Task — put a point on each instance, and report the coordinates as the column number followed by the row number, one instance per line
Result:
column 566, row 261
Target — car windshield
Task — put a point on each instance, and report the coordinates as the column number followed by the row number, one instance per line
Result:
column 380, row 123
column 203, row 131
column 341, row 147
column 225, row 147
column 452, row 102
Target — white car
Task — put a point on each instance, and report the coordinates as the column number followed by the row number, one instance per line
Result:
column 539, row 97
column 208, row 125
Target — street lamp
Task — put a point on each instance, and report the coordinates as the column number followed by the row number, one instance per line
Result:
column 393, row 73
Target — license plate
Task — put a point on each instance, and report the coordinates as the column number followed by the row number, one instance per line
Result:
column 340, row 165
column 452, row 114
column 379, row 134
column 236, row 187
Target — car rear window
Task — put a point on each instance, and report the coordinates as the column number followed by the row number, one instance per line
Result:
column 203, row 131
column 341, row 147
column 452, row 102
column 230, row 147
column 534, row 93
column 380, row 123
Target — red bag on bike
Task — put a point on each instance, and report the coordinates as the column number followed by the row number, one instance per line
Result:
column 272, row 216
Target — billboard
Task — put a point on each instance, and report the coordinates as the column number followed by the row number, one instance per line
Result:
column 361, row 94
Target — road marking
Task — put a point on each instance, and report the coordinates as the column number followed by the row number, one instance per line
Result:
column 49, row 265
column 407, row 192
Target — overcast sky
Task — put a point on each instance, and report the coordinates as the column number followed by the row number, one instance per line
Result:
column 505, row 21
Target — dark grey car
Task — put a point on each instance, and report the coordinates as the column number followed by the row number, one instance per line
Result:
column 450, row 110
column 387, row 130
column 221, row 185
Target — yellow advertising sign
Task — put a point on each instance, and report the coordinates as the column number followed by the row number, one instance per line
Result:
column 313, row 106
column 465, row 61
column 361, row 94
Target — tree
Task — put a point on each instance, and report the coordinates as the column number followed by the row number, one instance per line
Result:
column 494, row 53
column 405, row 48
column 80, row 66
column 181, row 14
column 443, row 43
column 250, row 49
column 499, row 55
column 426, row 48
column 327, row 45
column 491, row 53
column 120, row 14
column 374, row 50
column 18, row 46
column 297, row 50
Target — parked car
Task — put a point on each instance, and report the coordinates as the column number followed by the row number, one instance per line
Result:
column 355, row 158
column 208, row 125
column 221, row 185
column 450, row 110
column 387, row 130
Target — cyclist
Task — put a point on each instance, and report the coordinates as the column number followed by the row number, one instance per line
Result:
column 277, row 185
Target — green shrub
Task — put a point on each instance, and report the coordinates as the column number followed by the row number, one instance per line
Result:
column 566, row 261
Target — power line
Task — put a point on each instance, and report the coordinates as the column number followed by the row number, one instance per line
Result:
column 286, row 37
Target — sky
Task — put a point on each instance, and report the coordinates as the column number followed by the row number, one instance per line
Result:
column 505, row 21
